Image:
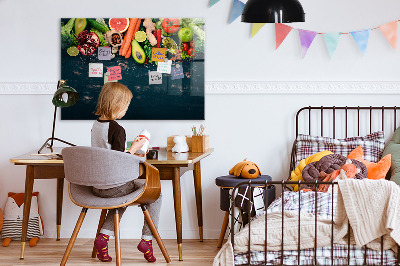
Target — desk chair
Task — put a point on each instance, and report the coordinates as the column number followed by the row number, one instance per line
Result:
column 85, row 167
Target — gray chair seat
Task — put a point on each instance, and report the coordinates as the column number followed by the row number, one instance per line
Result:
column 85, row 167
column 83, row 196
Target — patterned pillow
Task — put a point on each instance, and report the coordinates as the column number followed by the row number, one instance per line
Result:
column 372, row 145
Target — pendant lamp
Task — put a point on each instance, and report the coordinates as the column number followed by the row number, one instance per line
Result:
column 273, row 11
column 64, row 96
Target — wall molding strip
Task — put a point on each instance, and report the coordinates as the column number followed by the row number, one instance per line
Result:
column 248, row 87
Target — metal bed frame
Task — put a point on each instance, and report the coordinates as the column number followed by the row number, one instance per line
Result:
column 283, row 184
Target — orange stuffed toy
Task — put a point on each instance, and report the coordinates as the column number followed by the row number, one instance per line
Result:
column 375, row 170
column 245, row 169
column 12, row 224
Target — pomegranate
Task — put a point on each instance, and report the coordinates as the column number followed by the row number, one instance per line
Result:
column 88, row 42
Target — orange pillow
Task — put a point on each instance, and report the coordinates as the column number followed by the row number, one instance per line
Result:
column 375, row 170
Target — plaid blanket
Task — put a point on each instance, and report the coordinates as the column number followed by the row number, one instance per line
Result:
column 323, row 205
column 324, row 257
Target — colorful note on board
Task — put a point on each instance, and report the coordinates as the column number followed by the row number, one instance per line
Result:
column 177, row 72
column 155, row 77
column 158, row 54
column 106, row 75
column 104, row 53
column 115, row 73
column 95, row 70
column 164, row 67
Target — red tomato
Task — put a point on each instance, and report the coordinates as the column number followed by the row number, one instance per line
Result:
column 185, row 46
column 171, row 25
column 191, row 52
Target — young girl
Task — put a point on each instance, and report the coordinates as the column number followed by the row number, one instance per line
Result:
column 113, row 103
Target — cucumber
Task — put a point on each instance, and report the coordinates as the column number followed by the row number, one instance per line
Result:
column 97, row 25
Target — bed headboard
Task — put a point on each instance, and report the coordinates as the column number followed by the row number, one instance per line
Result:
column 344, row 121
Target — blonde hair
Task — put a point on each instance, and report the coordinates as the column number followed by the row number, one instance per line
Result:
column 113, row 98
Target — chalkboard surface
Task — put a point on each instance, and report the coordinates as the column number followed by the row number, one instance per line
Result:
column 174, row 99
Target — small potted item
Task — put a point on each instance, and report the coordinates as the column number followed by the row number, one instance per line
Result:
column 180, row 144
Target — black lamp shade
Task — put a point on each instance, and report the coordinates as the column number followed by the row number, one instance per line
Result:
column 65, row 96
column 273, row 11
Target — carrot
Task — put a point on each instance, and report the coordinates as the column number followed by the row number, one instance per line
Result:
column 129, row 53
column 129, row 35
column 125, row 41
column 137, row 27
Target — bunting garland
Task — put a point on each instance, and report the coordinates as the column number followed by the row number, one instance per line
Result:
column 213, row 2
column 389, row 30
column 361, row 37
column 332, row 41
column 306, row 39
column 281, row 31
column 256, row 28
column 237, row 8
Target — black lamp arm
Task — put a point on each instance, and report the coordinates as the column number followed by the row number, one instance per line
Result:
column 52, row 136
column 51, row 147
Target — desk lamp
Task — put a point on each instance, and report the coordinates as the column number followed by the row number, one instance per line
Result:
column 273, row 11
column 65, row 96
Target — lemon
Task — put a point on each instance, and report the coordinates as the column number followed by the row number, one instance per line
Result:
column 140, row 36
column 73, row 51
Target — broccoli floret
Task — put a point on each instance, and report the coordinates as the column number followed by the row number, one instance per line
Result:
column 67, row 37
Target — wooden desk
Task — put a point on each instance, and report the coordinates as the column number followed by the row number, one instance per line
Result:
column 171, row 167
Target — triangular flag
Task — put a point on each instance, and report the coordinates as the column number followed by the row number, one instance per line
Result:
column 237, row 8
column 256, row 27
column 213, row 2
column 281, row 31
column 390, row 32
column 361, row 37
column 332, row 41
column 306, row 39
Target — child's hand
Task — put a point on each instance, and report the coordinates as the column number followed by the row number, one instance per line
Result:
column 137, row 144
column 143, row 155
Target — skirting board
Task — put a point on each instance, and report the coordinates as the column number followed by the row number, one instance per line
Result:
column 248, row 87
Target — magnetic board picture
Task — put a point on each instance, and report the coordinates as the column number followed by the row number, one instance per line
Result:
column 161, row 60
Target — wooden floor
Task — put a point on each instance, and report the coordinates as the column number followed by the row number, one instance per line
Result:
column 50, row 252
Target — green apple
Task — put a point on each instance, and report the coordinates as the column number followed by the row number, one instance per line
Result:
column 185, row 34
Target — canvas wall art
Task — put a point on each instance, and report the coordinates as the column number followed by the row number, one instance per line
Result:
column 161, row 60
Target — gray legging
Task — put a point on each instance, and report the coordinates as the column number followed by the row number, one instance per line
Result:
column 154, row 208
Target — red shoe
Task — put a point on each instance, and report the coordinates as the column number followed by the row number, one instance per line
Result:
column 101, row 245
column 146, row 247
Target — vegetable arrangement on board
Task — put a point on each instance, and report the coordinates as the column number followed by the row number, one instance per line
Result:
column 134, row 37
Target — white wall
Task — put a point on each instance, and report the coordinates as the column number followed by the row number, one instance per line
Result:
column 259, row 126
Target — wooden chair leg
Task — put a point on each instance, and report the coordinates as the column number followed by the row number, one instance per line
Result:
column 117, row 239
column 154, row 230
column 223, row 229
column 101, row 222
column 73, row 237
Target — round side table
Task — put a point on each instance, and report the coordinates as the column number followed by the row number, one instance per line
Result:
column 228, row 182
